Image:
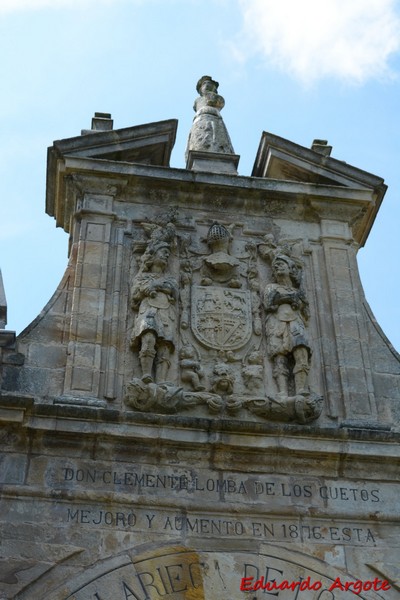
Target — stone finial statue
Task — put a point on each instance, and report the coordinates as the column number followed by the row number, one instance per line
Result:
column 209, row 100
column 208, row 133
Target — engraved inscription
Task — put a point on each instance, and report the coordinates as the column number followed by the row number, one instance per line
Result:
column 305, row 530
column 250, row 487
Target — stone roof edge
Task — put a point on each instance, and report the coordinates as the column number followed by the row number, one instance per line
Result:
column 99, row 139
column 125, row 169
column 137, row 136
column 332, row 164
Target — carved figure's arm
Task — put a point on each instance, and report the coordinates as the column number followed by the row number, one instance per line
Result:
column 271, row 299
column 166, row 286
column 137, row 294
column 304, row 306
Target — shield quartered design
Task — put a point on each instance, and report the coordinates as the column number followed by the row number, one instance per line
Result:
column 221, row 317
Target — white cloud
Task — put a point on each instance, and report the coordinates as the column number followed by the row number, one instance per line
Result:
column 313, row 39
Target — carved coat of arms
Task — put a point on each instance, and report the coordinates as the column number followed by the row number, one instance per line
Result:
column 221, row 317
column 198, row 340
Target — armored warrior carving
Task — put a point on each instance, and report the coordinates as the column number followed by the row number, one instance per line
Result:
column 287, row 313
column 154, row 296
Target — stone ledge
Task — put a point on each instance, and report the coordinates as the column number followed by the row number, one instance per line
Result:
column 61, row 411
column 354, row 451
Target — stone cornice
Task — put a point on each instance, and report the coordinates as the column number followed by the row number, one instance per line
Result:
column 356, row 206
column 342, row 448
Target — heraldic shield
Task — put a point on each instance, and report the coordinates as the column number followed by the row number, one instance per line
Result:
column 221, row 317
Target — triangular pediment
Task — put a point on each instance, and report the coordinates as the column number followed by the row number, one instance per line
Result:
column 149, row 144
column 278, row 158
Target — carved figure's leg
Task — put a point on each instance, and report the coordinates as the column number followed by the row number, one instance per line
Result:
column 281, row 374
column 301, row 369
column 193, row 378
column 196, row 382
column 163, row 362
column 146, row 355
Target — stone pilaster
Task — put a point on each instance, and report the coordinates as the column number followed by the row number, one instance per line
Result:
column 91, row 246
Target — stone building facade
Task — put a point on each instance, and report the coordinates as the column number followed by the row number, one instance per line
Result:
column 206, row 405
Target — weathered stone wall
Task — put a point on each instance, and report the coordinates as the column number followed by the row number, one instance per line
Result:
column 207, row 396
column 83, row 512
column 79, row 347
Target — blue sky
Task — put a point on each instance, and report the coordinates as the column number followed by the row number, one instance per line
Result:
column 301, row 70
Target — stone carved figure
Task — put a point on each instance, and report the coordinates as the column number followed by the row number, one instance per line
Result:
column 224, row 379
column 167, row 398
column 209, row 98
column 191, row 371
column 154, row 297
column 224, row 385
column 253, row 371
column 287, row 314
column 208, row 133
column 302, row 409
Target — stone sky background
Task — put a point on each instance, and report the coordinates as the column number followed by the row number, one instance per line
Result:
column 299, row 70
